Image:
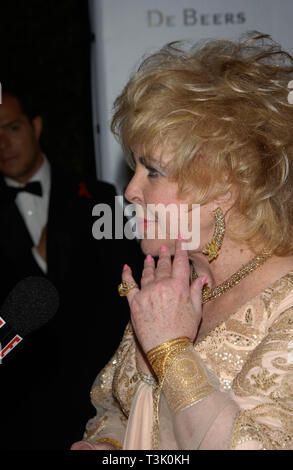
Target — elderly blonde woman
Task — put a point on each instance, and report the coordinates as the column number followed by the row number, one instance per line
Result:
column 206, row 361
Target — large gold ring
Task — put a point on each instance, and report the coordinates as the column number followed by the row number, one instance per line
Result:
column 125, row 287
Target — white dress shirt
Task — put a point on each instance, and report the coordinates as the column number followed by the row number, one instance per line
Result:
column 33, row 208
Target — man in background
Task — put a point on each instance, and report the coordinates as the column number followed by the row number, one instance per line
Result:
column 45, row 220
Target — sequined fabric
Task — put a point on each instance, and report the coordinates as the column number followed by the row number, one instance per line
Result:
column 251, row 353
column 226, row 349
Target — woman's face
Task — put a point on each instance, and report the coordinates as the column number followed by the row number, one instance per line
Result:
column 161, row 214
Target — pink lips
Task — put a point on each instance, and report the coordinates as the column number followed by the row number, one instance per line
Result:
column 142, row 224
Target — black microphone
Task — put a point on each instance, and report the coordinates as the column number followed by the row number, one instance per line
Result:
column 29, row 306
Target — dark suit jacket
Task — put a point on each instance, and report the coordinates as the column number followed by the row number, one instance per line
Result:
column 45, row 386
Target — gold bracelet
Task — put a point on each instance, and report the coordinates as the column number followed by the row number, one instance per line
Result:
column 180, row 375
column 185, row 381
column 108, row 440
column 162, row 356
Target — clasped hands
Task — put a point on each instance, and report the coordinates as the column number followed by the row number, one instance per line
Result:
column 166, row 306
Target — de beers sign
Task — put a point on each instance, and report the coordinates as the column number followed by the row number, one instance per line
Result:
column 125, row 30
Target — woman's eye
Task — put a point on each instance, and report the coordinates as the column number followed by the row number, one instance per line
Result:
column 152, row 173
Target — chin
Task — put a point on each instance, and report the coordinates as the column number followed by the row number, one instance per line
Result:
column 12, row 170
column 152, row 247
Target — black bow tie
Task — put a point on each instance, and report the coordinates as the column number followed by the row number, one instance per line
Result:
column 34, row 187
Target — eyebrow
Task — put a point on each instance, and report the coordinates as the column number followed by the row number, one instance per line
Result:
column 150, row 164
column 11, row 123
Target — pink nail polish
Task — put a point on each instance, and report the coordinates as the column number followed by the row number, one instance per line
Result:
column 204, row 280
column 163, row 248
column 179, row 237
column 149, row 258
column 125, row 267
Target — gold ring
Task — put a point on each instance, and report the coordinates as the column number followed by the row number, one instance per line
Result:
column 125, row 287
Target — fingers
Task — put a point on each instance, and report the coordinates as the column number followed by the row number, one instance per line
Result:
column 82, row 445
column 164, row 265
column 196, row 291
column 163, row 270
column 181, row 267
column 148, row 273
column 127, row 276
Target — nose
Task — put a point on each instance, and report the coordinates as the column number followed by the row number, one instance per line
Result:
column 134, row 190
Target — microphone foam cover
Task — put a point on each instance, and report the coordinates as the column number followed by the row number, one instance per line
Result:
column 31, row 304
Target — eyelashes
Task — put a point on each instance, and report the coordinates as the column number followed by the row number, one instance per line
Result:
column 152, row 173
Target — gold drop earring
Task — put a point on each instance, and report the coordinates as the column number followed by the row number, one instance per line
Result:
column 213, row 247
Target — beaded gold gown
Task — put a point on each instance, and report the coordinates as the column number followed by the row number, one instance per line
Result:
column 250, row 355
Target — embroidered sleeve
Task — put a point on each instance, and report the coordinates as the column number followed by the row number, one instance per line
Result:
column 264, row 391
column 258, row 413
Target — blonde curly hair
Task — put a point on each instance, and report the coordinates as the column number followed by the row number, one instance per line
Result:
column 222, row 108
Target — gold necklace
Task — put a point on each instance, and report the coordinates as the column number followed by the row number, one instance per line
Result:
column 210, row 294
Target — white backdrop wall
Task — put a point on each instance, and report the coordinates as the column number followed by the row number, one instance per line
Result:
column 125, row 30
